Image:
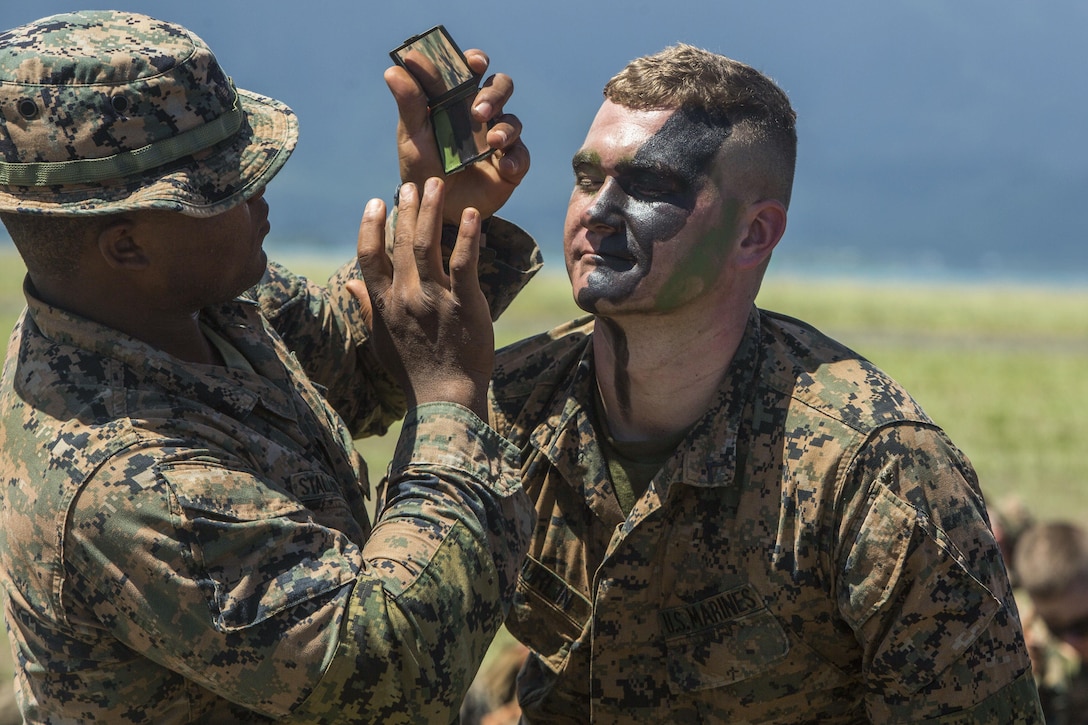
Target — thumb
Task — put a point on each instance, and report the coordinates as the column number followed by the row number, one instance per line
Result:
column 411, row 101
column 358, row 290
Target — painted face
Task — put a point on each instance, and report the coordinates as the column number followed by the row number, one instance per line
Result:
column 649, row 226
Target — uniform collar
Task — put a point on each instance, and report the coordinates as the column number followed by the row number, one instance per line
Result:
column 238, row 321
column 707, row 456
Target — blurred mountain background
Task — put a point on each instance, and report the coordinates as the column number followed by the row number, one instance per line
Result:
column 938, row 138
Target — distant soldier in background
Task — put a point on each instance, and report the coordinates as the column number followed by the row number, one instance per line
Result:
column 1051, row 563
column 1010, row 518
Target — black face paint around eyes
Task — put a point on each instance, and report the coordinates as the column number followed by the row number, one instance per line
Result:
column 686, row 145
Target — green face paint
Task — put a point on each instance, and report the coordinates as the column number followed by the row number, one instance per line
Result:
column 699, row 268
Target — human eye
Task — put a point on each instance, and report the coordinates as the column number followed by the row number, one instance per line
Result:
column 586, row 181
column 651, row 188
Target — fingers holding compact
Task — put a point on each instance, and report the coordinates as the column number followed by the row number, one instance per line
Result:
column 504, row 133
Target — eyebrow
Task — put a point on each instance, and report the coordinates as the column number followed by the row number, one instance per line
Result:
column 634, row 164
column 585, row 158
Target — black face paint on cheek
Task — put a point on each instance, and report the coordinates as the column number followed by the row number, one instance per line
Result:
column 685, row 145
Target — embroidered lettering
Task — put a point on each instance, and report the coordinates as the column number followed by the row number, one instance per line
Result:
column 709, row 612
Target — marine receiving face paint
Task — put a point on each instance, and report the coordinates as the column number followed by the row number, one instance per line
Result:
column 738, row 518
column 643, row 178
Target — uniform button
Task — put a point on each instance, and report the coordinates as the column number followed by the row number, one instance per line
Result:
column 28, row 109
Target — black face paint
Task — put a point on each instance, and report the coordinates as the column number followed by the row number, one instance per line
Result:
column 649, row 201
column 619, row 367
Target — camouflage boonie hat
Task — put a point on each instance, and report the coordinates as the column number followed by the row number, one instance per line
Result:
column 104, row 112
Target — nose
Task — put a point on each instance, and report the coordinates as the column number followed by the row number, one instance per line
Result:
column 257, row 201
column 605, row 213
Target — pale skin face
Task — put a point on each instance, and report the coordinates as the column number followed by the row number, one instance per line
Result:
column 665, row 240
column 651, row 220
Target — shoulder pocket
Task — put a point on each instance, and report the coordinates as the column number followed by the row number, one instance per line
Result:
column 907, row 590
column 257, row 549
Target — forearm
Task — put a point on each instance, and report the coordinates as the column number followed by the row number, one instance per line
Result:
column 440, row 571
column 323, row 326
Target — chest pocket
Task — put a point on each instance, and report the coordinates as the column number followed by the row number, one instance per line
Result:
column 322, row 496
column 256, row 550
column 720, row 640
column 547, row 613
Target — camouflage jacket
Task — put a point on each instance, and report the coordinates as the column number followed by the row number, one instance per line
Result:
column 816, row 550
column 188, row 543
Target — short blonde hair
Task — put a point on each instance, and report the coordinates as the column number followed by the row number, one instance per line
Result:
column 733, row 94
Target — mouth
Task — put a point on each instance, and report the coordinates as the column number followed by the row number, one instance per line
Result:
column 612, row 252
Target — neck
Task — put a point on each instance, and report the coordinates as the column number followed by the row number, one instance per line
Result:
column 119, row 307
column 659, row 374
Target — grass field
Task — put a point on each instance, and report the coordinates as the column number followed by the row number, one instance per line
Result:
column 1002, row 367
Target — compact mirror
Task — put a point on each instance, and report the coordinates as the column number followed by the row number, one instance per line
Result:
column 441, row 70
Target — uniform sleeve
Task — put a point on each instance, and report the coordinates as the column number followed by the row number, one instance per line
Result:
column 324, row 327
column 409, row 654
column 228, row 580
column 921, row 582
column 508, row 261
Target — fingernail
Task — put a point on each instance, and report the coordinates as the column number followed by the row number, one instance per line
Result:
column 509, row 164
column 483, row 109
column 407, row 192
column 372, row 206
column 502, row 135
column 432, row 185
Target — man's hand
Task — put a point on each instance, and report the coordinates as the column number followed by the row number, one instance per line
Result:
column 484, row 185
column 431, row 330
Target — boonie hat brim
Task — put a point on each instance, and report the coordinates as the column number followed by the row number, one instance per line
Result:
column 205, row 182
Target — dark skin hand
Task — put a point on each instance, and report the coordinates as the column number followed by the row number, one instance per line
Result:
column 485, row 185
column 431, row 330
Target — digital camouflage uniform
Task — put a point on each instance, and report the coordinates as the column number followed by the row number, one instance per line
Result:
column 189, row 543
column 183, row 542
column 1063, row 686
column 816, row 550
column 1059, row 671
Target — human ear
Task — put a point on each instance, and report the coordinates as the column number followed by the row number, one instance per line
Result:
column 765, row 225
column 120, row 248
